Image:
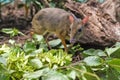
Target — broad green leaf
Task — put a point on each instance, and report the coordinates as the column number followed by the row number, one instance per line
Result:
column 115, row 63
column 39, row 38
column 7, row 30
column 89, row 52
column 36, row 74
column 36, row 63
column 117, row 44
column 94, row 52
column 93, row 61
column 54, row 43
column 72, row 74
column 111, row 50
column 29, row 46
column 38, row 51
column 54, row 75
column 3, row 60
column 11, row 32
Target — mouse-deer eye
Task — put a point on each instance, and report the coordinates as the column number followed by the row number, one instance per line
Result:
column 70, row 29
column 80, row 29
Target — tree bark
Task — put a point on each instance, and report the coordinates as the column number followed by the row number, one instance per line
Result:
column 103, row 27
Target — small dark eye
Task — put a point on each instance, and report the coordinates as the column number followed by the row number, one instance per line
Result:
column 80, row 29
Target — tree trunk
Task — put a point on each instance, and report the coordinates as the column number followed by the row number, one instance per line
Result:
column 103, row 27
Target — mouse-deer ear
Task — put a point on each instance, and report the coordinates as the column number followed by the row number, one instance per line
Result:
column 85, row 20
column 71, row 18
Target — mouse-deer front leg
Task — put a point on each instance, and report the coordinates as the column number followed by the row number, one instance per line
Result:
column 63, row 42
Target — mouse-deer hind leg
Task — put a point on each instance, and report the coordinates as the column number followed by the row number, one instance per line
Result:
column 46, row 36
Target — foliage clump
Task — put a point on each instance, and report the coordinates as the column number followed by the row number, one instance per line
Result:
column 34, row 60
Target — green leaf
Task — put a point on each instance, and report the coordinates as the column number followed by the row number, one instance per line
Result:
column 3, row 60
column 29, row 47
column 36, row 63
column 93, row 52
column 72, row 74
column 38, row 38
column 54, row 43
column 93, row 61
column 54, row 75
column 38, row 51
column 111, row 50
column 11, row 32
column 36, row 74
column 117, row 44
column 115, row 63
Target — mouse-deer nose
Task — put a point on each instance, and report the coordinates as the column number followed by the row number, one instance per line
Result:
column 72, row 41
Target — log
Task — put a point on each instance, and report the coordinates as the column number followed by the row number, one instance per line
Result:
column 103, row 28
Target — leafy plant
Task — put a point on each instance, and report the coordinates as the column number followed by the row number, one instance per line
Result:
column 33, row 61
column 104, row 62
column 12, row 32
column 18, row 63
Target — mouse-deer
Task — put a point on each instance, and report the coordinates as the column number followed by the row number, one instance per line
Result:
column 59, row 22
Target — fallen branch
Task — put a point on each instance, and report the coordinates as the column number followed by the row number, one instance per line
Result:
column 103, row 28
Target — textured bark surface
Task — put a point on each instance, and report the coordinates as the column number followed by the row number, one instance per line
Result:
column 13, row 17
column 103, row 28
